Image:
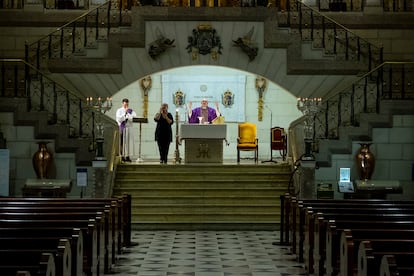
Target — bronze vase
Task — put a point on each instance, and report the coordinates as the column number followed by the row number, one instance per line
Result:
column 365, row 161
column 42, row 160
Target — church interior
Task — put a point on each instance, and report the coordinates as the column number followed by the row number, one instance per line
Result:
column 299, row 160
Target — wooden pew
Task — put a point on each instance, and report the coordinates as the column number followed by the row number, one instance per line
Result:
column 98, row 217
column 334, row 232
column 297, row 222
column 371, row 251
column 401, row 265
column 106, row 213
column 120, row 214
column 74, row 234
column 88, row 227
column 361, row 214
column 319, row 222
column 309, row 216
column 34, row 264
column 296, row 205
column 117, row 219
column 13, row 250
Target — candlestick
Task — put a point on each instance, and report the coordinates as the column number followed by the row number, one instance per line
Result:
column 309, row 107
column 177, row 158
column 99, row 105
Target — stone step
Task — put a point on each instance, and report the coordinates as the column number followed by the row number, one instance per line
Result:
column 194, row 178
column 209, row 196
column 60, row 134
column 205, row 218
column 202, row 193
column 363, row 132
column 272, row 199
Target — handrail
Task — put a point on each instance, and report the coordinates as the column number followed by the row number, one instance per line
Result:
column 335, row 22
column 76, row 35
column 18, row 60
column 365, row 75
column 70, row 22
column 388, row 81
column 333, row 37
column 113, row 162
column 64, row 106
column 114, row 151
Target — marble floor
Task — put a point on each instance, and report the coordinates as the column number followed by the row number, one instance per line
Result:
column 207, row 253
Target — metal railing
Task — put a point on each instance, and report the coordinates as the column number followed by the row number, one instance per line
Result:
column 321, row 5
column 76, row 36
column 19, row 79
column 63, row 4
column 388, row 81
column 327, row 34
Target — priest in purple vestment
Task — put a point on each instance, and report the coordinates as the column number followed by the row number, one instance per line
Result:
column 204, row 113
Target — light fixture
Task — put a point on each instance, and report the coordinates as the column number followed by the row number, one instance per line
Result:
column 100, row 106
column 309, row 107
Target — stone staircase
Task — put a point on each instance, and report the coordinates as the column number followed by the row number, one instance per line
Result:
column 59, row 133
column 200, row 196
column 363, row 132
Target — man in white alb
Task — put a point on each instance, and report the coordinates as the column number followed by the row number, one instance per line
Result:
column 124, row 116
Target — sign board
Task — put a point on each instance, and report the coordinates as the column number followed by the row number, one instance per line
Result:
column 81, row 177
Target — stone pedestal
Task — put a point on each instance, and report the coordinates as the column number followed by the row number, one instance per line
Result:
column 376, row 189
column 47, row 187
column 307, row 180
column 100, row 169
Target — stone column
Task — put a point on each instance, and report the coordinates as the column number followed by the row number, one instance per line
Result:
column 100, row 177
column 307, row 180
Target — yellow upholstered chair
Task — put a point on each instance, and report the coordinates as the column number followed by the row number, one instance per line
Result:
column 247, row 140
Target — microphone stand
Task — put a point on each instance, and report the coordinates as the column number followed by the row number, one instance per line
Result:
column 270, row 142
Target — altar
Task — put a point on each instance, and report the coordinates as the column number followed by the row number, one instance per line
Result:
column 203, row 143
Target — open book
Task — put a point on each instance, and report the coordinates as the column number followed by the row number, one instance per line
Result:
column 218, row 120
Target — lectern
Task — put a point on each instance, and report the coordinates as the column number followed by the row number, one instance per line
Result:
column 140, row 121
column 203, row 142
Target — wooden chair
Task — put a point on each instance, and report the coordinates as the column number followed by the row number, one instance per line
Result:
column 247, row 140
column 279, row 141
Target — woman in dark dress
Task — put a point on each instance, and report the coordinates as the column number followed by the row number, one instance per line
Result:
column 163, row 132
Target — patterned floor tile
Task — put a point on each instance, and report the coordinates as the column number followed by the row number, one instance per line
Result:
column 207, row 253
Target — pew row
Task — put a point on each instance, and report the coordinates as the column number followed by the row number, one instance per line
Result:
column 314, row 225
column 372, row 229
column 74, row 234
column 33, row 265
column 370, row 253
column 22, row 254
column 401, row 264
column 310, row 225
column 104, row 224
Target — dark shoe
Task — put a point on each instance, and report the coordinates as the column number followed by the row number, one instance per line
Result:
column 123, row 159
column 127, row 159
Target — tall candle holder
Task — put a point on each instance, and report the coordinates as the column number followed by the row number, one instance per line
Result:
column 309, row 107
column 177, row 159
column 100, row 106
